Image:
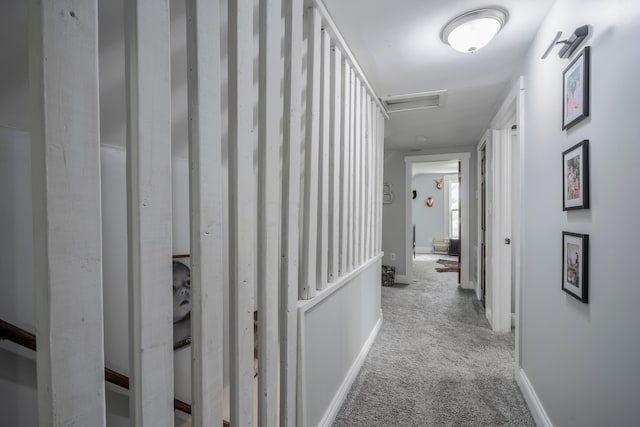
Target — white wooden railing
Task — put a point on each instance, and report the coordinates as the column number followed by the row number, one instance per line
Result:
column 302, row 209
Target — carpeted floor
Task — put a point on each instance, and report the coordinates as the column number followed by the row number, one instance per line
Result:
column 435, row 361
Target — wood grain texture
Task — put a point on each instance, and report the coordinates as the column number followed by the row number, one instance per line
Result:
column 67, row 218
column 206, row 204
column 293, row 11
column 148, row 82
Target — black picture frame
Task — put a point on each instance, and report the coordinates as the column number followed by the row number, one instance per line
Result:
column 575, row 177
column 575, row 265
column 575, row 90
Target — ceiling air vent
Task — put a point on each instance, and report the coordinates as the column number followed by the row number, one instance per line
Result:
column 414, row 101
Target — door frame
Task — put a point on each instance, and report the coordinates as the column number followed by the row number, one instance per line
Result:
column 498, row 139
column 465, row 192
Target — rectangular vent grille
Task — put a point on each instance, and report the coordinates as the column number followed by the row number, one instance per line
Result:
column 414, row 101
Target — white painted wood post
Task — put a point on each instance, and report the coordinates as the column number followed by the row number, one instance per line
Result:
column 148, row 73
column 206, row 215
column 377, row 191
column 372, row 177
column 310, row 223
column 345, row 176
column 242, row 208
column 293, row 11
column 323, row 159
column 65, row 141
column 366, row 223
column 269, row 168
column 363, row 173
column 335, row 185
column 381, row 179
column 358, row 176
column 353, row 175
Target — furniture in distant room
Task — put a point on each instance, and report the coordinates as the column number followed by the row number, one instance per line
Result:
column 441, row 245
column 454, row 247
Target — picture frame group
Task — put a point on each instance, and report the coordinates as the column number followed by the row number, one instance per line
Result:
column 575, row 176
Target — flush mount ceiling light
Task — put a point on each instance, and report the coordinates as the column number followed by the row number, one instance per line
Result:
column 473, row 30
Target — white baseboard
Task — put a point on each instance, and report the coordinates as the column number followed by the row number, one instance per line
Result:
column 535, row 406
column 336, row 403
column 401, row 279
column 424, row 249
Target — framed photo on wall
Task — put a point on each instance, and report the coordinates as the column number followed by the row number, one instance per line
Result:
column 575, row 265
column 575, row 177
column 575, row 90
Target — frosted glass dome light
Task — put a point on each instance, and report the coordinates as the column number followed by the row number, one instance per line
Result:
column 473, row 30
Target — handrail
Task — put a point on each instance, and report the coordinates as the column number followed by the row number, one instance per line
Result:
column 28, row 340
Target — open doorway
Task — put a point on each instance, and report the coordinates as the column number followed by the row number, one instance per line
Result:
column 435, row 205
column 439, row 210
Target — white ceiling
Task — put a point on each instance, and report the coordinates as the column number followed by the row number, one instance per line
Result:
column 397, row 44
column 443, row 168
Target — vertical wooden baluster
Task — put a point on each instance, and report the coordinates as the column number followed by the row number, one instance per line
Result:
column 242, row 208
column 65, row 141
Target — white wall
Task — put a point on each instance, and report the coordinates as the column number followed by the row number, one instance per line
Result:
column 582, row 359
column 393, row 218
column 17, row 304
column 334, row 331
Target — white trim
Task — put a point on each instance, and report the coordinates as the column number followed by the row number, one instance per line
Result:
column 341, row 394
column 531, row 397
column 401, row 279
column 306, row 305
column 437, row 157
column 520, row 122
column 482, row 144
column 424, row 249
column 465, row 197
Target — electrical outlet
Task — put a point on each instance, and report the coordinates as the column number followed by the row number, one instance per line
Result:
column 392, row 256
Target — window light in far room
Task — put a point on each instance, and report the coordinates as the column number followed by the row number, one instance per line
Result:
column 474, row 30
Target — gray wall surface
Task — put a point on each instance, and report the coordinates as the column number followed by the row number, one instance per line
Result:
column 582, row 359
column 429, row 221
column 393, row 221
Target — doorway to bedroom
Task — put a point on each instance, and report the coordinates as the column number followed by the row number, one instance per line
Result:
column 442, row 203
column 435, row 213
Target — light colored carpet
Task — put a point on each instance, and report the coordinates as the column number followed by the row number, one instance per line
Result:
column 435, row 361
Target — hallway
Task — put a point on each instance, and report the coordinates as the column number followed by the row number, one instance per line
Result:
column 436, row 361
